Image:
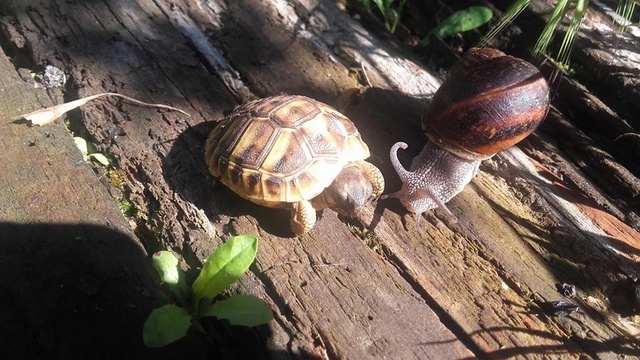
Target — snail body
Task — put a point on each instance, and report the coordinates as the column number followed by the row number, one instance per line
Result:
column 489, row 102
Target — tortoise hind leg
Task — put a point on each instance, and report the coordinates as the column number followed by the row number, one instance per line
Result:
column 303, row 217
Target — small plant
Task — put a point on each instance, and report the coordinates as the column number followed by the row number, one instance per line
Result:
column 126, row 207
column 460, row 21
column 116, row 178
column 222, row 268
column 83, row 146
column 389, row 9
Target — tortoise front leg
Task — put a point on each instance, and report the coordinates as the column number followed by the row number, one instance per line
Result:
column 374, row 176
column 303, row 217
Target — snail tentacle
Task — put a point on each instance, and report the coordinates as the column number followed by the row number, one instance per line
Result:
column 403, row 173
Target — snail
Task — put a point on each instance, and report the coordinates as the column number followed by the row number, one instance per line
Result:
column 489, row 102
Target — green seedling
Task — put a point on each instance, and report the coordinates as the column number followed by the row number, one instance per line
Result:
column 389, row 9
column 83, row 146
column 222, row 268
column 460, row 21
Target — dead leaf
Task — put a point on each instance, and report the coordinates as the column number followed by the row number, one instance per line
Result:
column 47, row 115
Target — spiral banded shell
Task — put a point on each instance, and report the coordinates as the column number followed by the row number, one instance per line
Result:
column 489, row 102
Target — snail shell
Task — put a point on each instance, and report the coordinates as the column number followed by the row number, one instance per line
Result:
column 489, row 102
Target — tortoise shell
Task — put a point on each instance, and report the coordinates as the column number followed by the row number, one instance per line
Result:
column 282, row 149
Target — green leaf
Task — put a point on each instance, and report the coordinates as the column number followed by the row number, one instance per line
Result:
column 165, row 325
column 100, row 158
column 244, row 310
column 166, row 264
column 82, row 145
column 225, row 266
column 393, row 17
column 381, row 6
column 461, row 21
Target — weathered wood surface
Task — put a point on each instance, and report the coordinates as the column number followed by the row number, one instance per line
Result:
column 377, row 286
column 74, row 276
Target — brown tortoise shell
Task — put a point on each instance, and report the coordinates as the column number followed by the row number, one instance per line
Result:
column 282, row 149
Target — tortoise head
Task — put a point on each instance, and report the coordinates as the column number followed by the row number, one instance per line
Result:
column 357, row 184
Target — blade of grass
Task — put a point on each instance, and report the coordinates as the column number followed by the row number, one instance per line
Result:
column 514, row 10
column 569, row 38
column 541, row 46
column 625, row 9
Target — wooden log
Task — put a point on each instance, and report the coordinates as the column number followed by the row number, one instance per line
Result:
column 375, row 286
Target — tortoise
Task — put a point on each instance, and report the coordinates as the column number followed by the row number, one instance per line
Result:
column 293, row 152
